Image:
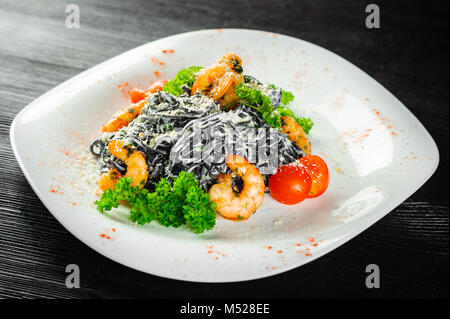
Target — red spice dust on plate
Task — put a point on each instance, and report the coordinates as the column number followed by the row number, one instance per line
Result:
column 56, row 190
column 155, row 60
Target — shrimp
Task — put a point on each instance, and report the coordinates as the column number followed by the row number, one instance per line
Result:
column 219, row 79
column 108, row 180
column 124, row 117
column 137, row 168
column 224, row 91
column 238, row 205
column 232, row 61
column 295, row 133
column 208, row 78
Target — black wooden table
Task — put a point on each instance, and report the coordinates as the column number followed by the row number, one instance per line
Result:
column 408, row 55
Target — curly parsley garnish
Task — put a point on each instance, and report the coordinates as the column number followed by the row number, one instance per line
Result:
column 286, row 96
column 180, row 203
column 258, row 101
column 261, row 102
column 183, row 77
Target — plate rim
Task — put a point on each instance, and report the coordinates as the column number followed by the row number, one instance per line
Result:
column 371, row 219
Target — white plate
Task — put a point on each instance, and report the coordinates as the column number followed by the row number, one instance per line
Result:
column 377, row 151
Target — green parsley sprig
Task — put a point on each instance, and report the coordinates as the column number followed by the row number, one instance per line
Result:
column 183, row 77
column 261, row 102
column 286, row 96
column 180, row 203
column 258, row 101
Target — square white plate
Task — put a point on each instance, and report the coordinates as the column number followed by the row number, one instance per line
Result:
column 378, row 154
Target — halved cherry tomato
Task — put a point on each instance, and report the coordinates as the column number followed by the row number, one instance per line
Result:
column 137, row 95
column 290, row 184
column 157, row 86
column 318, row 170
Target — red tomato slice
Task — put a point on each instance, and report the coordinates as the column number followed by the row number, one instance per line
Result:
column 320, row 176
column 290, row 184
column 157, row 86
column 137, row 95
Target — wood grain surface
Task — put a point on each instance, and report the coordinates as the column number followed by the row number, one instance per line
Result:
column 408, row 55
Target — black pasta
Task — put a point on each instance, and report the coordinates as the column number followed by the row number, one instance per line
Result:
column 189, row 133
column 154, row 131
column 204, row 143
